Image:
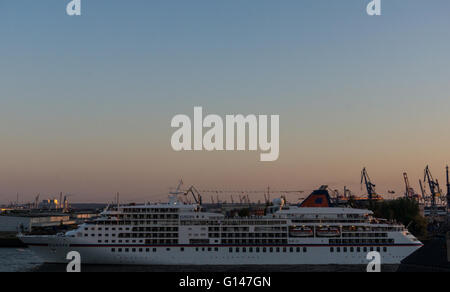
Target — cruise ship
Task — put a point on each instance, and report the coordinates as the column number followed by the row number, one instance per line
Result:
column 174, row 233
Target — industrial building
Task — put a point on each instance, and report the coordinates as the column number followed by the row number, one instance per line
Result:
column 27, row 222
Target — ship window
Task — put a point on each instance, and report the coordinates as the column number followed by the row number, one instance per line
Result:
column 284, row 249
column 384, row 249
column 216, row 249
column 127, row 250
column 365, row 249
column 371, row 248
column 338, row 249
column 352, row 249
column 168, row 249
column 358, row 249
column 120, row 250
column 113, row 250
column 264, row 249
column 154, row 250
column 209, row 249
column 298, row 249
column 257, row 249
column 230, row 249
column 304, row 249
column 278, row 249
column 133, row 250
column 291, row 249
column 271, row 249
column 99, row 241
column 140, row 250
column 378, row 249
column 147, row 250
column 237, row 249
column 250, row 249
column 331, row 249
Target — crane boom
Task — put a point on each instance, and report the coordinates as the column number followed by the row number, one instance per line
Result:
column 409, row 193
column 422, row 190
column 370, row 187
column 195, row 194
column 448, row 189
column 434, row 189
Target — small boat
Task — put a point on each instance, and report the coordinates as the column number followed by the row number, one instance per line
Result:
column 328, row 232
column 301, row 232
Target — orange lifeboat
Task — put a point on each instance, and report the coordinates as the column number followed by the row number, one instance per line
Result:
column 328, row 232
column 301, row 232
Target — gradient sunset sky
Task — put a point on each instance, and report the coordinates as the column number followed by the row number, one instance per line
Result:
column 86, row 102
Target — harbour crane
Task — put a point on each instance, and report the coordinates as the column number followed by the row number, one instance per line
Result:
column 448, row 189
column 195, row 194
column 409, row 193
column 36, row 201
column 434, row 189
column 178, row 189
column 370, row 187
column 347, row 193
column 243, row 196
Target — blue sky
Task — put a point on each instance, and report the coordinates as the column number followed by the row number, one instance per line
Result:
column 86, row 102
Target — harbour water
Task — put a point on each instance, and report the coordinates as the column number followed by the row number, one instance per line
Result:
column 23, row 260
column 18, row 260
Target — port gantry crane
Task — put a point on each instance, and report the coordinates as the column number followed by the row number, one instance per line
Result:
column 434, row 189
column 370, row 187
column 409, row 193
column 195, row 194
column 448, row 190
column 422, row 190
column 244, row 197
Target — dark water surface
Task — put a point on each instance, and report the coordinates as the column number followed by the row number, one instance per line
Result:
column 23, row 260
column 18, row 260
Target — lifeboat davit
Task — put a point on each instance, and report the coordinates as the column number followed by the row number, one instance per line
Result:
column 301, row 232
column 328, row 232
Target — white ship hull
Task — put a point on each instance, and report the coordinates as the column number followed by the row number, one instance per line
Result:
column 55, row 250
